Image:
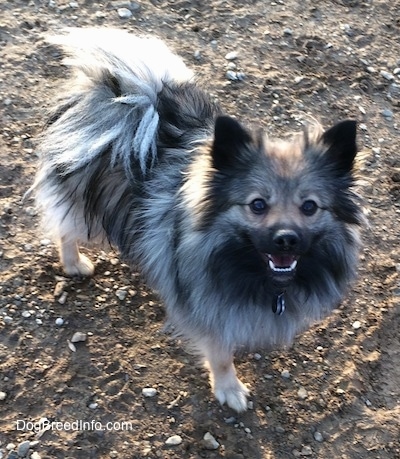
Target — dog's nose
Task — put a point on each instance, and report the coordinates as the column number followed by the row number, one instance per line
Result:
column 286, row 240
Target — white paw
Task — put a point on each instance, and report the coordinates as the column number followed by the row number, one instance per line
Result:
column 233, row 394
column 83, row 267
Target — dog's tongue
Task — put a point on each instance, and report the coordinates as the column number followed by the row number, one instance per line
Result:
column 283, row 261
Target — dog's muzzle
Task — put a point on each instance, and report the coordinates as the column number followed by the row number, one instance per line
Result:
column 283, row 256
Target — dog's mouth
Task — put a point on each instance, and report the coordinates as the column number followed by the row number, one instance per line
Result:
column 282, row 266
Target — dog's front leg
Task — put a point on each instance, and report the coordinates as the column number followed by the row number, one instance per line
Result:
column 74, row 262
column 226, row 386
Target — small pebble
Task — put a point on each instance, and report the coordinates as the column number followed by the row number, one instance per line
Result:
column 59, row 321
column 231, row 75
column 302, row 393
column 288, row 31
column 124, row 13
column 285, row 374
column 306, row 451
column 197, row 54
column 149, row 391
column 23, row 448
column 387, row 75
column 174, row 440
column 63, row 298
column 356, row 325
column 78, row 337
column 230, row 420
column 7, row 319
column 318, row 437
column 257, row 356
column 3, row 396
column 387, row 113
column 59, row 288
column 121, row 294
column 71, row 346
column 210, row 442
column 93, row 405
column 231, row 56
column 35, row 455
column 26, row 314
column 39, row 321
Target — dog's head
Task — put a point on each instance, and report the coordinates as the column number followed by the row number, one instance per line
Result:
column 285, row 208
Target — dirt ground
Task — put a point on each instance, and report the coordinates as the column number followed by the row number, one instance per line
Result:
column 336, row 392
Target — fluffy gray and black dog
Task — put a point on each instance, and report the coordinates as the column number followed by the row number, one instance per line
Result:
column 247, row 240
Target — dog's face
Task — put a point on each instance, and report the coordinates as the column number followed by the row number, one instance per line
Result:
column 283, row 206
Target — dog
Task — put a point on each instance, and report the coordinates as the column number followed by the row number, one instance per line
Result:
column 247, row 240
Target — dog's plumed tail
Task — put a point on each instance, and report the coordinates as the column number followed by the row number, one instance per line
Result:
column 112, row 103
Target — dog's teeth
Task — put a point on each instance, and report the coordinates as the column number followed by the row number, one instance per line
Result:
column 282, row 270
column 271, row 265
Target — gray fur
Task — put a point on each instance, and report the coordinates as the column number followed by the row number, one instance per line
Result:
column 128, row 169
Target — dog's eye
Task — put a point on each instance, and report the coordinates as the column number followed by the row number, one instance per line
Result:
column 258, row 206
column 309, row 207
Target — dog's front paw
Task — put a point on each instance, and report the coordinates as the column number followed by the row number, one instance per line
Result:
column 82, row 267
column 233, row 392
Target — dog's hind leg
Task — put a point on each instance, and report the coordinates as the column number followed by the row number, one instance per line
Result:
column 74, row 262
column 226, row 386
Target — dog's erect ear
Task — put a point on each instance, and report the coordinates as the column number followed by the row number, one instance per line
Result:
column 229, row 146
column 342, row 146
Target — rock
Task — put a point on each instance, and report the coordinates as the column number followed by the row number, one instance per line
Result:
column 394, row 93
column 302, row 393
column 356, row 325
column 210, row 442
column 197, row 54
column 59, row 321
column 71, row 346
column 306, row 451
column 231, row 75
column 285, row 374
column 59, row 288
column 121, row 294
column 26, row 314
column 35, row 455
column 149, row 392
column 387, row 75
column 387, row 113
column 174, row 440
column 318, row 437
column 124, row 13
column 78, row 337
column 231, row 56
column 63, row 298
column 3, row 396
column 23, row 448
